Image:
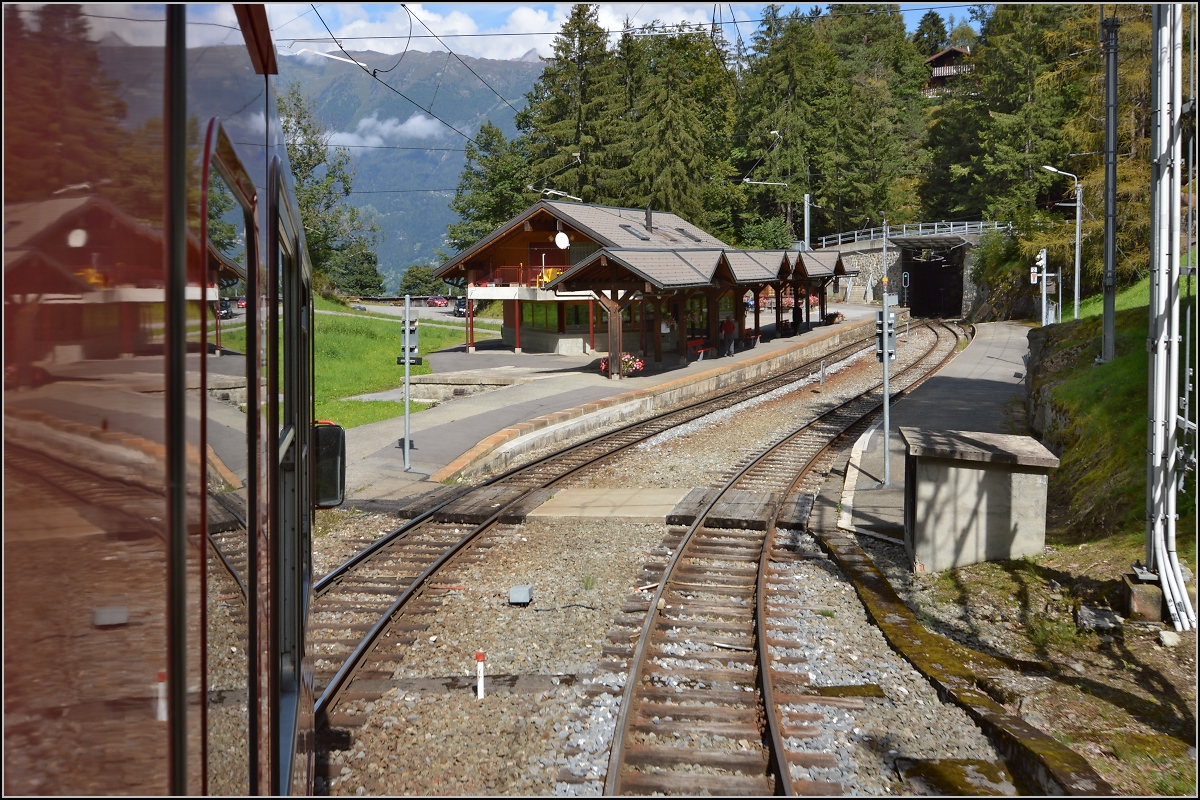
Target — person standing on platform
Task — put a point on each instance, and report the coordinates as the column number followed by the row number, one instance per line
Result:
column 729, row 332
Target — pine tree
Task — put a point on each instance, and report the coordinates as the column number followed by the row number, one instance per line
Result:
column 571, row 108
column 930, row 35
column 62, row 113
column 878, row 123
column 672, row 149
column 1026, row 111
column 491, row 190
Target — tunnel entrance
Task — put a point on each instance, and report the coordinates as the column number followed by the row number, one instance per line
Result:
column 934, row 265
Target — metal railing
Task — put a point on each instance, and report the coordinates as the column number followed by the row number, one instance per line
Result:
column 520, row 276
column 914, row 229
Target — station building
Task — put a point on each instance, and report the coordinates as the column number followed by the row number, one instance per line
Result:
column 564, row 270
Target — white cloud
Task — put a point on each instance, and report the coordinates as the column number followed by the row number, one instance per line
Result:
column 375, row 132
column 482, row 30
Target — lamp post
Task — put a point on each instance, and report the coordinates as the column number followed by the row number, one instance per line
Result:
column 1078, row 219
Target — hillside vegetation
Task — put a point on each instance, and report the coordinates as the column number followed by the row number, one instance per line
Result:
column 1095, row 417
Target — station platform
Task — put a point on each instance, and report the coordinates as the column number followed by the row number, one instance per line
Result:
column 980, row 390
column 534, row 389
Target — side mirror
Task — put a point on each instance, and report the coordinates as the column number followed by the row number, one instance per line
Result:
column 329, row 465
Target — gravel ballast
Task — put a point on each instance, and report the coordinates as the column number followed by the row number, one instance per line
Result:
column 548, row 733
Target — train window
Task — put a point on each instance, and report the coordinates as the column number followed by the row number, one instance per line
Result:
column 229, row 566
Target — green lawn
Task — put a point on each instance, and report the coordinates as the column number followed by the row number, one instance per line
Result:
column 355, row 353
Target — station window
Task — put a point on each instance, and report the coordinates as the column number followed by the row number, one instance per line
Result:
column 577, row 314
column 539, row 315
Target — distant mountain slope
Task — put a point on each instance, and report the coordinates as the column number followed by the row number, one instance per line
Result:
column 415, row 186
column 409, row 189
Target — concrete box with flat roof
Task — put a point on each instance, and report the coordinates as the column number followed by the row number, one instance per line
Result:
column 972, row 497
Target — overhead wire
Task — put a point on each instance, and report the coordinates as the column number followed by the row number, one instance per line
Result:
column 413, row 16
column 385, row 83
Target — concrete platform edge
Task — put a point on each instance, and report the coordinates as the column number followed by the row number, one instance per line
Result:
column 497, row 451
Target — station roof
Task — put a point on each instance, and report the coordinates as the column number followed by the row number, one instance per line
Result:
column 638, row 249
column 607, row 226
column 822, row 263
column 758, row 266
column 664, row 270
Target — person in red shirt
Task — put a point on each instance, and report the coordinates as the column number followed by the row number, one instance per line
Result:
column 729, row 332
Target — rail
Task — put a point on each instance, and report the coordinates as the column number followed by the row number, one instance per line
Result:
column 915, row 229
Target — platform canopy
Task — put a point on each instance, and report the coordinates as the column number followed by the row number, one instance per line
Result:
column 821, row 264
column 751, row 267
column 653, row 271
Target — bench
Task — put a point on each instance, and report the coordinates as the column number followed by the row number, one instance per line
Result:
column 749, row 340
column 697, row 349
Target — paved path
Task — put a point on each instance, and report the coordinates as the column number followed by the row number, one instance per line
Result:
column 977, row 391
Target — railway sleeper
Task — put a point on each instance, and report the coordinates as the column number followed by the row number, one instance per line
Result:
column 717, row 656
column 680, row 712
column 844, row 703
column 721, row 697
column 744, row 573
column 817, row 788
column 801, row 731
column 738, row 610
column 752, row 761
column 700, row 577
column 728, row 729
column 692, row 784
column 710, row 676
column 691, row 591
column 673, row 621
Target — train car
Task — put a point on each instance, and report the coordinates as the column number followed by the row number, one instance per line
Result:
column 162, row 462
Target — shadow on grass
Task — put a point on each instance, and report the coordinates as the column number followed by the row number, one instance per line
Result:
column 1170, row 715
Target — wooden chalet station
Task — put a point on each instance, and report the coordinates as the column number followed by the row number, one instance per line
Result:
column 566, row 271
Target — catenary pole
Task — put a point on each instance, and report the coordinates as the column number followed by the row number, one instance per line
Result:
column 1109, row 323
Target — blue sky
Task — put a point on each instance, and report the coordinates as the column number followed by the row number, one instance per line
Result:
column 501, row 30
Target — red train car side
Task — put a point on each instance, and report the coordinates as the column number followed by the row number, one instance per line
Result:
column 161, row 457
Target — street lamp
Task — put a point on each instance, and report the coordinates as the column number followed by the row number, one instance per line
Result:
column 1078, row 218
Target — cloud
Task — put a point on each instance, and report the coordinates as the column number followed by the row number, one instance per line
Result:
column 481, row 30
column 375, row 132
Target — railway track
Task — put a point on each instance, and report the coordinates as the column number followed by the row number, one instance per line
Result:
column 357, row 616
column 371, row 609
column 713, row 702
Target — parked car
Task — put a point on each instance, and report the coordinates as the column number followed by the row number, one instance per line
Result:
column 359, row 307
column 241, row 302
column 437, row 301
column 224, row 309
column 460, row 307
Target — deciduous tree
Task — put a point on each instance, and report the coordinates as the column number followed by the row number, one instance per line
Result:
column 341, row 238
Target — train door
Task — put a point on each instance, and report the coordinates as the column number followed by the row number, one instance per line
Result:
column 290, row 381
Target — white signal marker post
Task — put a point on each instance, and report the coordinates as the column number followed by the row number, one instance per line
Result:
column 409, row 348
column 886, row 358
column 407, row 368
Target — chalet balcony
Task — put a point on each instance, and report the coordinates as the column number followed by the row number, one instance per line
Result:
column 521, row 277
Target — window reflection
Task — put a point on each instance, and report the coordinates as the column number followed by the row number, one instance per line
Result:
column 224, row 336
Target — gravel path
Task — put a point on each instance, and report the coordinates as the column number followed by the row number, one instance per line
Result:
column 548, row 733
